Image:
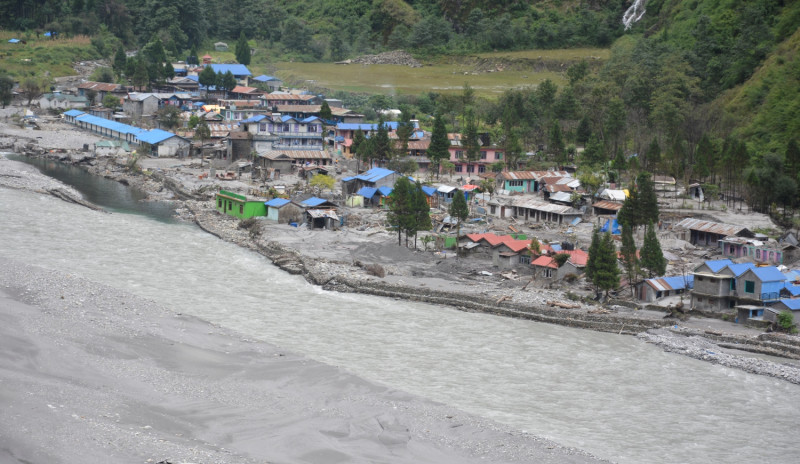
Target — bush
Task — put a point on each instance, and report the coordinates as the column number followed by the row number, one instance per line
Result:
column 786, row 322
column 375, row 269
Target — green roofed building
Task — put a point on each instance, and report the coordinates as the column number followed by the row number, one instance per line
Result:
column 239, row 206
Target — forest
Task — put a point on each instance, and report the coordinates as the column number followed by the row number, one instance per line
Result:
column 705, row 91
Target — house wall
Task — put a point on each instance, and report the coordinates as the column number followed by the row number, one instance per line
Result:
column 525, row 185
column 568, row 268
column 240, row 209
column 770, row 290
column 173, row 146
column 710, row 303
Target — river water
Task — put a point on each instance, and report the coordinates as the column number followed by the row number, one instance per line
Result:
column 611, row 395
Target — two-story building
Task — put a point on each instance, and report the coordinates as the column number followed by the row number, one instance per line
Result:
column 759, row 250
column 708, row 233
column 488, row 155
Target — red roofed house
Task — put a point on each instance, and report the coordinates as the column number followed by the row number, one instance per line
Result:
column 545, row 266
column 505, row 251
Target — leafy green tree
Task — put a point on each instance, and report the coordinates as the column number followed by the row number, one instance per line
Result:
column 652, row 258
column 242, row 50
column 561, row 258
column 556, row 146
column 194, row 120
column 325, row 113
column 793, row 158
column 584, row 131
column 193, row 57
column 459, row 210
column 31, row 88
column 704, row 157
column 228, row 81
column 785, row 322
column 6, row 86
column 513, row 150
column 110, row 101
column 202, row 133
column 594, row 154
column 207, row 78
column 404, row 130
column 630, row 259
column 140, row 76
column 322, row 182
column 619, row 163
column 401, row 207
column 652, row 157
column 168, row 116
column 438, row 150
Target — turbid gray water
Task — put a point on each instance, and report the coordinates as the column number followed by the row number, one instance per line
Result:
column 610, row 395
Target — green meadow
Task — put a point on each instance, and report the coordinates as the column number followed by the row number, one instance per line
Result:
column 43, row 56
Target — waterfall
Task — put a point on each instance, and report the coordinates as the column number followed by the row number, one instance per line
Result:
column 633, row 13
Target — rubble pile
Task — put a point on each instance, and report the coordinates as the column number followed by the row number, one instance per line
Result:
column 398, row 57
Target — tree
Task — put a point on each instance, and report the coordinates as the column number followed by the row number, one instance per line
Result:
column 382, row 145
column 194, row 120
column 228, row 81
column 513, row 151
column 242, row 50
column 438, row 150
column 110, row 101
column 647, row 201
column 102, row 74
column 120, row 61
column 6, row 86
column 325, row 113
column 322, row 182
column 458, row 210
column 785, row 322
column 207, row 78
column 652, row 158
column 201, row 133
column 140, row 76
column 652, row 257
column 168, row 116
column 561, row 258
column 401, row 207
column 470, row 140
column 605, row 272
column 594, row 253
column 421, row 211
column 557, row 143
column 31, row 89
column 358, row 139
column 193, row 56
column 584, row 131
column 405, row 128
column 630, row 260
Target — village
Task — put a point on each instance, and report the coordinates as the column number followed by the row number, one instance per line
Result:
column 254, row 151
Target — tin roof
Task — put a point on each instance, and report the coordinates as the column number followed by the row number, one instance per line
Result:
column 718, row 264
column 792, row 304
column 99, row 86
column 605, row 204
column 768, row 274
column 565, row 197
column 671, row 283
column 235, row 69
column 497, row 240
column 712, row 227
column 529, row 203
column 277, row 202
column 739, row 269
column 367, row 192
column 373, row 175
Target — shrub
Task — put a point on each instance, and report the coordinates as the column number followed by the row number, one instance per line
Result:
column 786, row 322
column 375, row 269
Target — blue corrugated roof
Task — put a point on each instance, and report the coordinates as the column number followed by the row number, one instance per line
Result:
column 739, row 269
column 794, row 290
column 265, row 78
column 277, row 202
column 718, row 264
column 769, row 274
column 309, row 119
column 109, row 124
column 339, row 138
column 154, row 136
column 793, row 304
column 255, row 118
column 235, row 69
column 373, row 175
column 367, row 192
column 73, row 113
column 365, row 127
column 314, row 201
column 385, row 191
column 430, row 191
column 555, row 246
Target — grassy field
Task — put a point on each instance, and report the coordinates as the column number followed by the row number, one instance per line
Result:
column 442, row 77
column 43, row 56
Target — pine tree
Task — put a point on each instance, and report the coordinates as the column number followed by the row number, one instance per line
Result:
column 584, row 131
column 120, row 61
column 630, row 261
column 382, row 146
column 652, row 257
column 594, row 253
column 438, row 150
column 207, row 78
column 470, row 139
column 606, row 273
column 401, row 207
column 652, row 156
column 647, row 201
column 325, row 113
column 422, row 212
column 242, row 50
column 557, row 143
column 458, row 210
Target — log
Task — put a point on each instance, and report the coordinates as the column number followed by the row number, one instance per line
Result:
column 561, row 304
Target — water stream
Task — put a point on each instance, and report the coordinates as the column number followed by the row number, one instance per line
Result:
column 611, row 395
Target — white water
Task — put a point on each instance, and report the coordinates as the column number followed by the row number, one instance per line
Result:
column 634, row 13
column 610, row 395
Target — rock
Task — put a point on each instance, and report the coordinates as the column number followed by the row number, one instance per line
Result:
column 398, row 57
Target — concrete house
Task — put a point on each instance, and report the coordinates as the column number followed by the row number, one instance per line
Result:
column 532, row 210
column 713, row 290
column 274, row 163
column 374, row 178
column 757, row 250
column 239, row 206
column 267, row 82
column 771, row 313
column 759, row 285
column 101, row 89
column 700, row 232
column 651, row 290
column 283, row 211
column 56, row 101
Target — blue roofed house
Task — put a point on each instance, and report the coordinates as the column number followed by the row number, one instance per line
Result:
column 239, row 71
column 759, row 285
column 374, row 178
column 283, row 211
column 651, row 290
column 771, row 313
column 344, row 132
column 164, row 143
column 712, row 290
column 267, row 82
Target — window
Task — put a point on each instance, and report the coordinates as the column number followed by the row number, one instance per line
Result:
column 230, row 205
column 241, row 209
column 548, row 272
column 481, row 168
column 498, row 156
column 493, row 210
column 515, row 183
column 699, row 279
column 749, row 286
column 483, row 155
column 459, row 154
column 733, row 284
column 471, row 168
column 458, row 168
column 758, row 254
column 524, row 259
column 219, row 202
column 262, row 127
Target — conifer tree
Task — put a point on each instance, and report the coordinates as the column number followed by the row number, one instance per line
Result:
column 401, row 207
column 606, row 272
column 470, row 139
column 438, row 150
column 325, row 113
column 382, row 148
column 242, row 50
column 422, row 212
column 630, row 261
column 647, row 201
column 594, row 252
column 120, row 61
column 652, row 257
column 458, row 210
